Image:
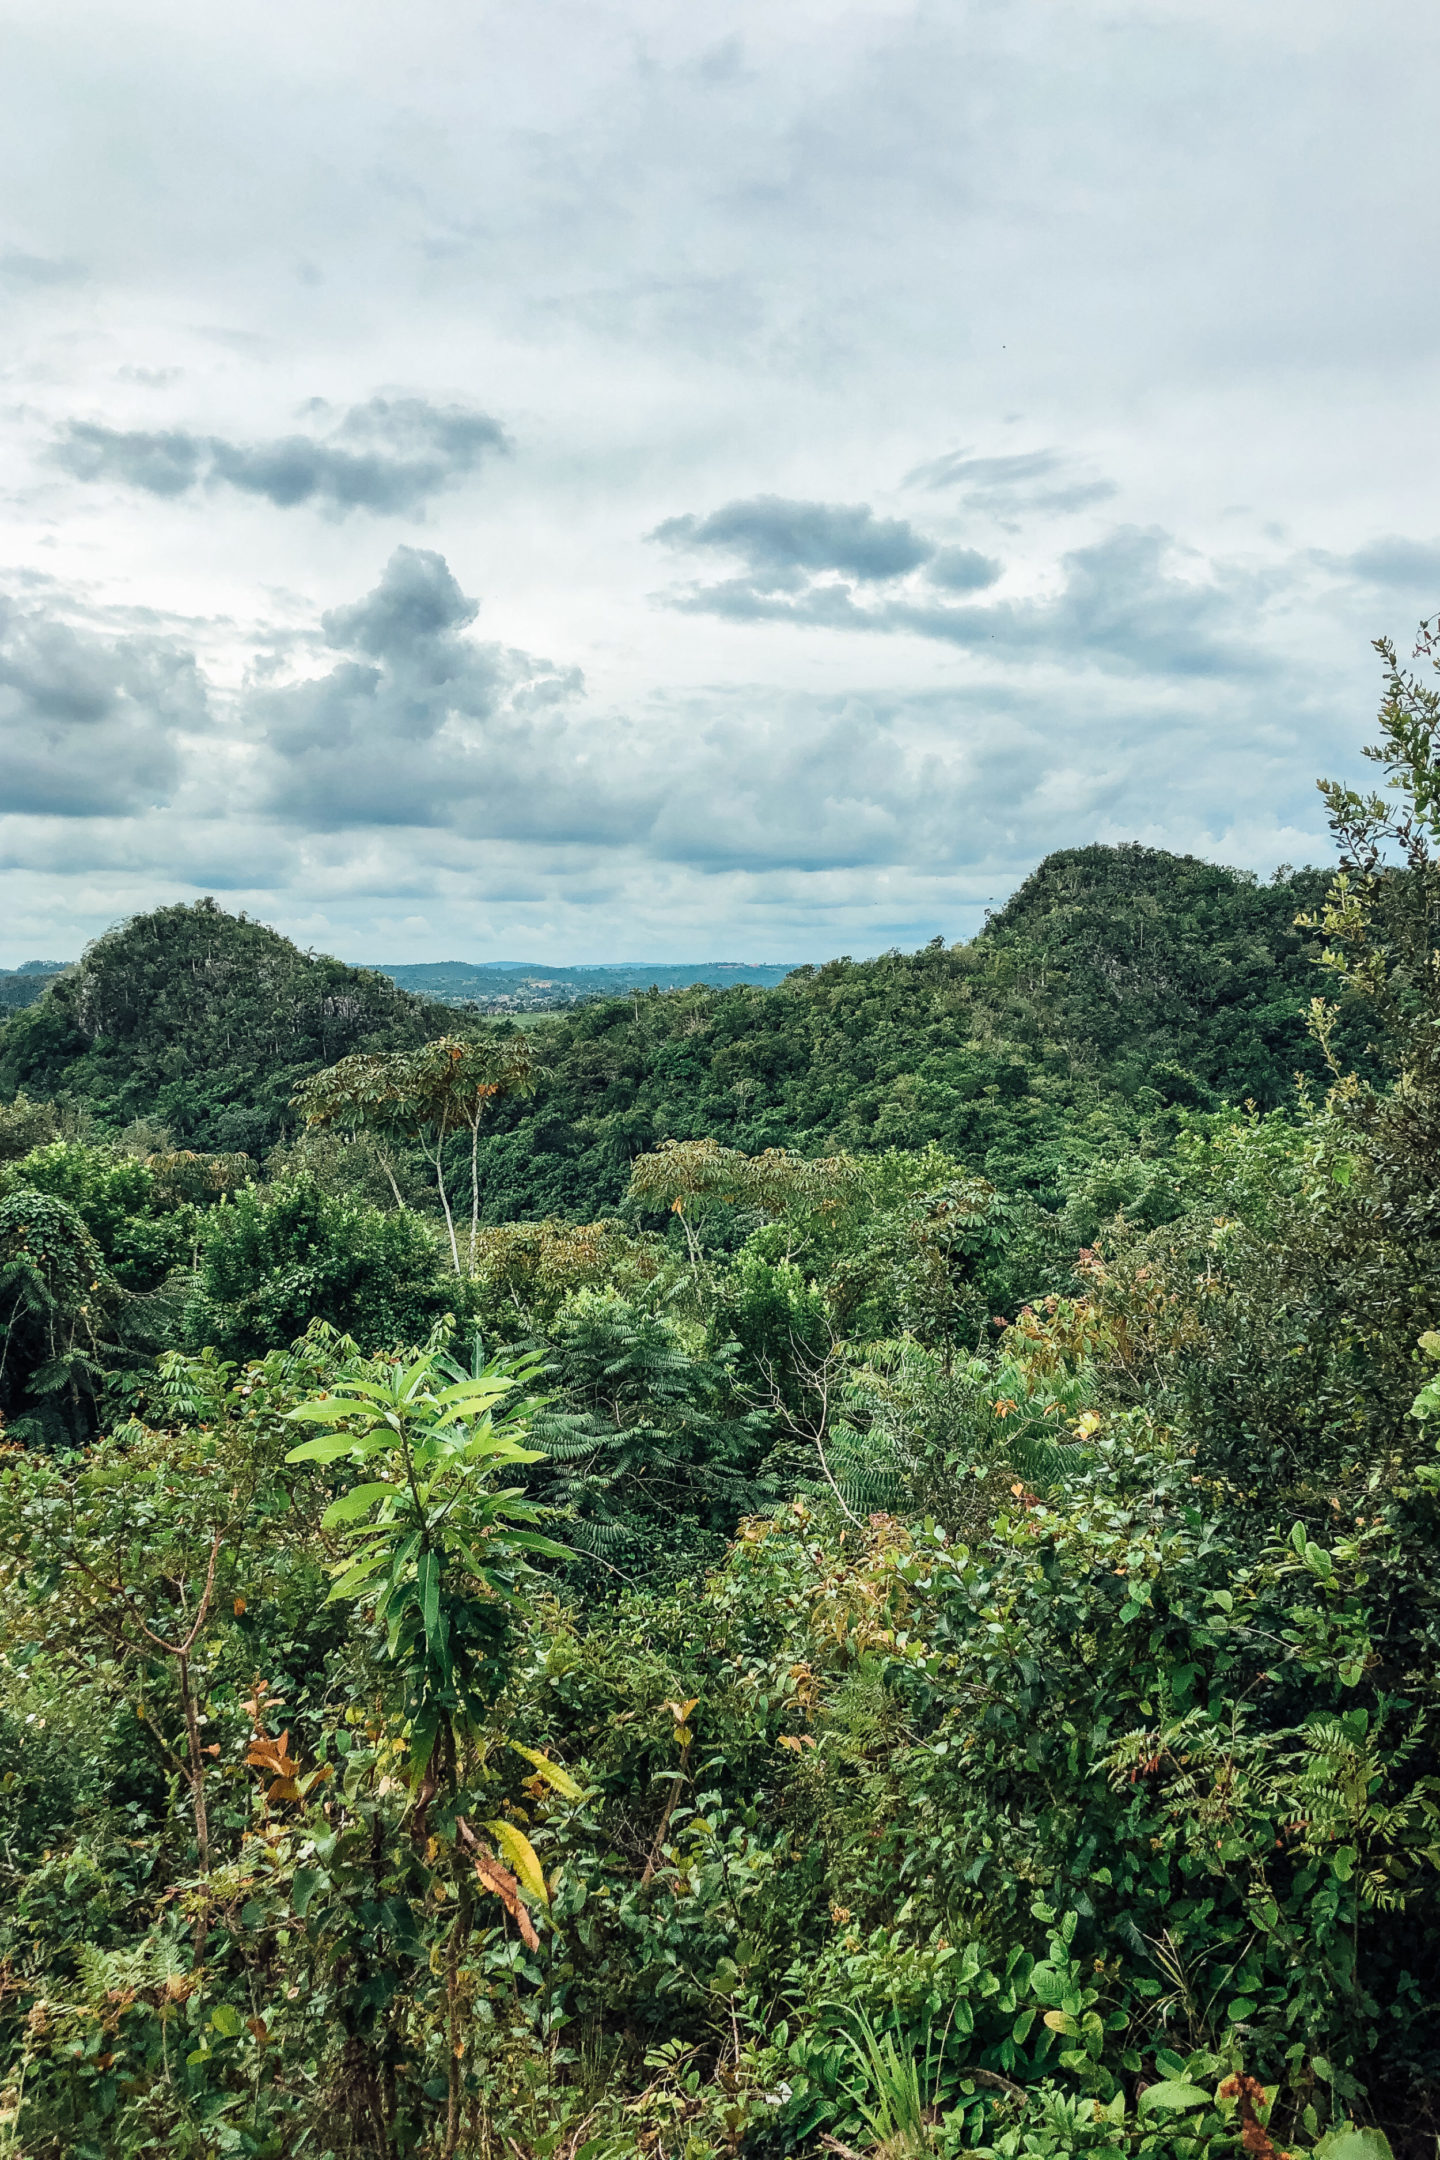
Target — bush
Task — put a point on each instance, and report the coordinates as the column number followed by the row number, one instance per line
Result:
column 271, row 1261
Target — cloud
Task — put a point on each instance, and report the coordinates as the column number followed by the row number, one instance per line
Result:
column 816, row 563
column 1011, row 483
column 1411, row 565
column 962, row 569
column 1123, row 605
column 389, row 455
column 164, row 462
column 961, row 467
column 781, row 538
column 422, row 765
column 38, row 271
column 418, row 724
column 90, row 724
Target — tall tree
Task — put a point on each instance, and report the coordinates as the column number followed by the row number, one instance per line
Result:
column 427, row 1096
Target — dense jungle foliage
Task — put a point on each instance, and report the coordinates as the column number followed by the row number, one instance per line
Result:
column 203, row 1020
column 848, row 1569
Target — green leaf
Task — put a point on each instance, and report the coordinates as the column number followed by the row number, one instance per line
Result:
column 355, row 1576
column 1173, row 2093
column 427, row 1577
column 332, row 1410
column 476, row 1392
column 327, row 1450
column 1242, row 2008
column 358, row 1501
column 501, row 1448
column 227, row 2021
column 307, row 1882
column 533, row 1541
column 1349, row 2142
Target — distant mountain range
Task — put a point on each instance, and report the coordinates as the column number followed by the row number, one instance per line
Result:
column 496, row 985
column 22, row 985
column 535, row 986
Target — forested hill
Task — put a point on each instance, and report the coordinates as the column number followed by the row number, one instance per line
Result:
column 1114, row 982
column 1117, row 980
column 204, row 1021
column 1133, row 958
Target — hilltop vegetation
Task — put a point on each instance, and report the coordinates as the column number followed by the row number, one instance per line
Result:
column 1118, row 982
column 202, row 1021
column 879, row 1598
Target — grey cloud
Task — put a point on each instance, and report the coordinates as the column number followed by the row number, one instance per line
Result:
column 19, row 268
column 166, row 462
column 961, row 569
column 413, row 611
column 387, row 455
column 1011, row 483
column 1121, row 608
column 784, row 537
column 89, row 724
column 960, row 467
column 421, row 727
column 421, row 723
column 1395, row 561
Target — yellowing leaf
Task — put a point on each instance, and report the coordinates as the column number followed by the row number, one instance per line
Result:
column 522, row 1856
column 559, row 1780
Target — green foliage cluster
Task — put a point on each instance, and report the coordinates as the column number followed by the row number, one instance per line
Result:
column 891, row 1610
column 1116, row 982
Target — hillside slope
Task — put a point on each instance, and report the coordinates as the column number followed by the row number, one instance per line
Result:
column 205, row 1021
column 1115, row 981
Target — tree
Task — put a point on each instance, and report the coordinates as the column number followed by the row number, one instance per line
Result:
column 697, row 1177
column 437, row 1547
column 427, row 1096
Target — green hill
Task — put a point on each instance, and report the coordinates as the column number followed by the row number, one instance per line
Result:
column 205, row 1021
column 1115, row 981
column 23, row 985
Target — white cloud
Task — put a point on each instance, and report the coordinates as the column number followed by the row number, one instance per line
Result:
column 1126, row 293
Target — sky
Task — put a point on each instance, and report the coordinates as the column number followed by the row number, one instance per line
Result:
column 515, row 479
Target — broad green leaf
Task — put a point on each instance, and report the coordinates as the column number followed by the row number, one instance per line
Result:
column 331, row 1410
column 476, row 1391
column 1350, row 2142
column 423, row 1735
column 227, row 2020
column 523, row 1858
column 502, row 1448
column 533, row 1541
column 358, row 1501
column 327, row 1450
column 354, row 1576
column 553, row 1775
column 1173, row 2093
